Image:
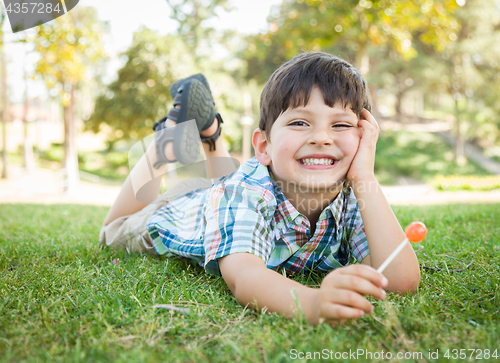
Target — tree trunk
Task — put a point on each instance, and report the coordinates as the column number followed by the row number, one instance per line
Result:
column 28, row 158
column 5, row 115
column 70, row 152
column 400, row 114
column 362, row 59
column 362, row 63
column 401, row 89
column 29, row 161
column 419, row 104
column 373, row 94
column 397, row 106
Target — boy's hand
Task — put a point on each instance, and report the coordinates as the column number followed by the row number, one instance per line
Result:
column 363, row 164
column 342, row 293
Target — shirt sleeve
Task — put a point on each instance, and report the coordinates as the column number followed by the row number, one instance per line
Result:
column 237, row 221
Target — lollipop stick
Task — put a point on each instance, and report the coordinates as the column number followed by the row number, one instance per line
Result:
column 394, row 254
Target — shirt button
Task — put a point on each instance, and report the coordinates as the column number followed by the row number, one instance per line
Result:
column 303, row 256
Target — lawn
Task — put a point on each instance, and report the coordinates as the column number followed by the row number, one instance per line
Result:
column 62, row 299
column 419, row 155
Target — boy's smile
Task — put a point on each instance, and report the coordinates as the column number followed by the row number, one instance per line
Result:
column 311, row 147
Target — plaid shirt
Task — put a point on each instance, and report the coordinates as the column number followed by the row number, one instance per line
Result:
column 246, row 211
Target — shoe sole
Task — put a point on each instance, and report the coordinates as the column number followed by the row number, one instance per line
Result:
column 198, row 106
column 200, row 77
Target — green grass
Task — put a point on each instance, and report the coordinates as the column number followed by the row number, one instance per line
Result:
column 419, row 155
column 63, row 300
column 110, row 165
column 469, row 182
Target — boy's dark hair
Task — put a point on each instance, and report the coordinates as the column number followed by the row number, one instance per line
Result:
column 291, row 84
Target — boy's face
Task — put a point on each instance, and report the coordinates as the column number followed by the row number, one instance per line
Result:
column 311, row 147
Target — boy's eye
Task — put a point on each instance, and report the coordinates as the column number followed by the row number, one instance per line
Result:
column 342, row 125
column 298, row 123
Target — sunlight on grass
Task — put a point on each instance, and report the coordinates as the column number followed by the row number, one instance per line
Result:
column 469, row 183
column 419, row 155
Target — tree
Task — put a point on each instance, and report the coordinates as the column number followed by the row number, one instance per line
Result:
column 28, row 159
column 128, row 107
column 469, row 72
column 68, row 46
column 140, row 96
column 350, row 26
column 398, row 76
column 192, row 16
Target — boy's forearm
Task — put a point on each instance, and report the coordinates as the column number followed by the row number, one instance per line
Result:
column 261, row 287
column 384, row 234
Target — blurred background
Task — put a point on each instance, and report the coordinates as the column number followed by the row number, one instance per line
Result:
column 76, row 93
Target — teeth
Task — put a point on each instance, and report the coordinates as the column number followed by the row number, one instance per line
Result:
column 317, row 161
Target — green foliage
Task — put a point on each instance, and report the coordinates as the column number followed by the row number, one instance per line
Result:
column 348, row 27
column 396, row 76
column 128, row 107
column 437, row 48
column 207, row 46
column 468, row 71
column 116, row 159
column 54, row 154
column 110, row 165
column 62, row 299
column 140, row 96
column 192, row 16
column 68, row 46
column 475, row 66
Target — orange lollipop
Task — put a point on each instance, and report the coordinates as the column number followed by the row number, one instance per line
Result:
column 415, row 232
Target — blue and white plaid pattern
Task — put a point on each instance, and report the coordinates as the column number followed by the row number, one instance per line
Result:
column 246, row 211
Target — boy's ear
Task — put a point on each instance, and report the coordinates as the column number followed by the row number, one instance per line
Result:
column 260, row 143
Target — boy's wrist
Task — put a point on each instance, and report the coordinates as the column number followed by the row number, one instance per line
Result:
column 310, row 305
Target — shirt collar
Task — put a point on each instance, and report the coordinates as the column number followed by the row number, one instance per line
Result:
column 335, row 209
column 287, row 212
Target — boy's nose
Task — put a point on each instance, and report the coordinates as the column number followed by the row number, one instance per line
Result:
column 321, row 137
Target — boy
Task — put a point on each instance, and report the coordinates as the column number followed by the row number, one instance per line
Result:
column 307, row 200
